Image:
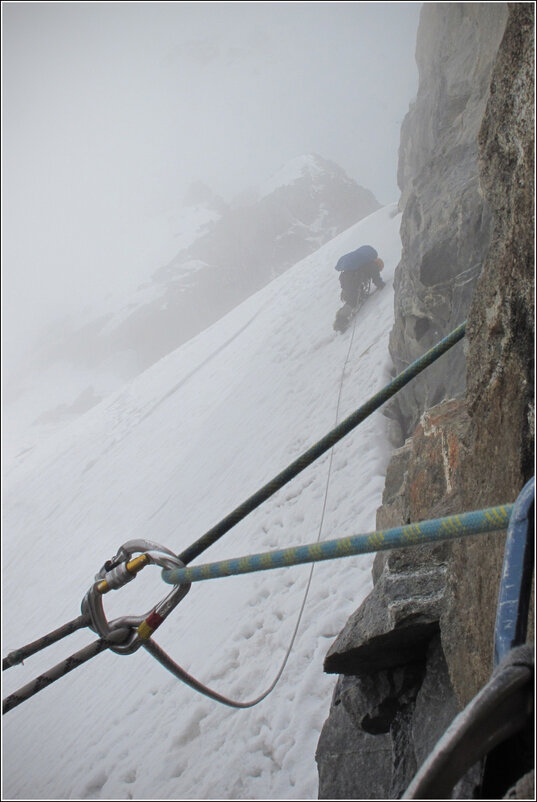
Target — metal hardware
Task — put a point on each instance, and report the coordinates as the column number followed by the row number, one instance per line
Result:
column 124, row 635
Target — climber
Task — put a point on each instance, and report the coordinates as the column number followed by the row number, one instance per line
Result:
column 356, row 270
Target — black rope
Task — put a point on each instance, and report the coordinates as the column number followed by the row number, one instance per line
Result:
column 60, row 670
column 19, row 655
column 210, row 537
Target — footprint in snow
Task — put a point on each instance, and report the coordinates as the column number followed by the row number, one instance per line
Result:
column 325, row 341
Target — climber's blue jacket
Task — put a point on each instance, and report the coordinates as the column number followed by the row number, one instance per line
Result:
column 355, row 259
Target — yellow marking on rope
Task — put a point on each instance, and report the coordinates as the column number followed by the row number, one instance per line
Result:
column 288, row 556
column 316, row 550
column 413, row 533
column 344, row 545
column 206, row 571
column 456, row 524
column 375, row 539
column 493, row 516
column 449, row 525
column 102, row 587
column 266, row 560
column 244, row 563
column 144, row 630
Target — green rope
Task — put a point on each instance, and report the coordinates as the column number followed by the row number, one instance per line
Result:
column 323, row 445
column 454, row 526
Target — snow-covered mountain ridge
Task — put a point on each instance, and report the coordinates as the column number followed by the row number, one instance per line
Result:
column 305, row 204
column 164, row 458
column 201, row 261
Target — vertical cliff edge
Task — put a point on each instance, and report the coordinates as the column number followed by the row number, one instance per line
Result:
column 420, row 646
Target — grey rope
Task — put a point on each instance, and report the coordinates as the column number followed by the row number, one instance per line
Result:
column 174, row 668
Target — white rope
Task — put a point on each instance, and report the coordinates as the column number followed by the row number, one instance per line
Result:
column 181, row 674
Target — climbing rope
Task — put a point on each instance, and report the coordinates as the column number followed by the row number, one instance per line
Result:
column 477, row 522
column 122, row 635
column 174, row 668
column 60, row 670
column 127, row 634
column 325, row 498
column 450, row 527
column 323, row 445
column 19, row 655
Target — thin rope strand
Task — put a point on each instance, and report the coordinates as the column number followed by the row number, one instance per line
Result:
column 60, row 670
column 19, row 655
column 164, row 659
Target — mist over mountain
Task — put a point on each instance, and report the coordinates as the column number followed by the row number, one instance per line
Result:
column 164, row 458
column 245, row 245
column 222, row 253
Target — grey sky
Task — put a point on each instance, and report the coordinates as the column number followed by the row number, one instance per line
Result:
column 111, row 109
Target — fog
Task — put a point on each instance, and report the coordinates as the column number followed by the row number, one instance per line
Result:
column 111, row 110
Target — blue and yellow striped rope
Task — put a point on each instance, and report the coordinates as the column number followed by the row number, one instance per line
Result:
column 323, row 445
column 478, row 522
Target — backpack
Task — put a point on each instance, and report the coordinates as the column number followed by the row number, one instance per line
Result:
column 355, row 259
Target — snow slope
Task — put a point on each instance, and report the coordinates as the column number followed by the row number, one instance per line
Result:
column 164, row 459
column 53, row 386
column 291, row 172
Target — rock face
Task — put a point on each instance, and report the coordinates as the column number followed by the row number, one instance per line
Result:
column 432, row 609
column 445, row 229
column 499, row 444
column 389, row 653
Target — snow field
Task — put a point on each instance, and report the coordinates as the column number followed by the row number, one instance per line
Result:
column 154, row 242
column 164, row 459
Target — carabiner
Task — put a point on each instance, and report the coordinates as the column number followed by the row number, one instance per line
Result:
column 126, row 634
